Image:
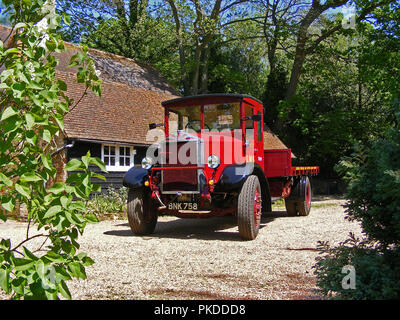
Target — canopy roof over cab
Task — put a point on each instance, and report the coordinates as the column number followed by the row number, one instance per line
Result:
column 209, row 99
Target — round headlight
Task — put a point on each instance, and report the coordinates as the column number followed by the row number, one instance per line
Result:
column 213, row 161
column 147, row 163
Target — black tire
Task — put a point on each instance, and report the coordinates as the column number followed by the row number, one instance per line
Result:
column 142, row 212
column 304, row 207
column 299, row 204
column 248, row 216
column 290, row 208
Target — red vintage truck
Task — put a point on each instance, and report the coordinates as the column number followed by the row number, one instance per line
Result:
column 213, row 162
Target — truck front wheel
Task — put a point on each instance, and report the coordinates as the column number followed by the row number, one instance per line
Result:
column 249, row 208
column 142, row 212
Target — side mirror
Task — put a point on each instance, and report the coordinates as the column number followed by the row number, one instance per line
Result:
column 155, row 125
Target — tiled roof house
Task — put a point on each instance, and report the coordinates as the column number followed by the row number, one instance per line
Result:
column 112, row 127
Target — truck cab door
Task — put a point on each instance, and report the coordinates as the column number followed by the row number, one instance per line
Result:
column 259, row 140
column 249, row 133
column 254, row 137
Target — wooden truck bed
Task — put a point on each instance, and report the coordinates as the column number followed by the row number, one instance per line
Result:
column 278, row 163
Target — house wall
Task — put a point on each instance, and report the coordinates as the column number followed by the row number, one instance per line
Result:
column 113, row 179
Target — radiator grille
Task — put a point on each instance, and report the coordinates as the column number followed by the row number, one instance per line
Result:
column 180, row 179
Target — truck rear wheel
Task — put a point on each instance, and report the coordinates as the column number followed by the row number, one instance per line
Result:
column 142, row 212
column 304, row 207
column 291, row 208
column 301, row 205
column 249, row 208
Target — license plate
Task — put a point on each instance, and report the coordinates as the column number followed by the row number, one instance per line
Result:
column 183, row 206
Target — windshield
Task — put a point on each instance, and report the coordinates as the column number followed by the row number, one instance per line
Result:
column 219, row 117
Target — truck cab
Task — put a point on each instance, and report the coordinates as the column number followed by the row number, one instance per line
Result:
column 212, row 162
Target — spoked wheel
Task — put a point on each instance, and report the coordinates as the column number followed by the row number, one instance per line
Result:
column 249, row 209
column 142, row 212
column 257, row 208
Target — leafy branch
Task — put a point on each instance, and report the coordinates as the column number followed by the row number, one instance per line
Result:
column 31, row 120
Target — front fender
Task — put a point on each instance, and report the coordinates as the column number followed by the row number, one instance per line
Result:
column 233, row 177
column 135, row 177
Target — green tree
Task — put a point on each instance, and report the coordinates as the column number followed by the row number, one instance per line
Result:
column 344, row 97
column 131, row 28
column 373, row 176
column 121, row 27
column 33, row 105
column 307, row 41
column 237, row 64
column 197, row 25
column 296, row 30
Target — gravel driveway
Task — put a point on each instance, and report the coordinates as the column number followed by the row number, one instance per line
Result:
column 206, row 259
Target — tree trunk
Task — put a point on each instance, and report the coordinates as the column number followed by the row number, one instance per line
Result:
column 181, row 48
column 204, row 72
column 302, row 37
column 196, row 70
column 297, row 66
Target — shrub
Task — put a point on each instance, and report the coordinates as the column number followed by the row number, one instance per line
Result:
column 377, row 271
column 373, row 177
column 32, row 110
column 112, row 202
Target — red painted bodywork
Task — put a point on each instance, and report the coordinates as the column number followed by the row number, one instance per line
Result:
column 278, row 163
column 229, row 143
column 232, row 147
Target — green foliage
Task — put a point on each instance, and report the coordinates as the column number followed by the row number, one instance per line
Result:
column 33, row 106
column 275, row 91
column 338, row 103
column 123, row 27
column 176, row 44
column 239, row 68
column 372, row 173
column 373, row 177
column 112, row 202
column 377, row 272
column 147, row 41
column 347, row 81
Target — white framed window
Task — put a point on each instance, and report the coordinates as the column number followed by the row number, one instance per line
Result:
column 117, row 157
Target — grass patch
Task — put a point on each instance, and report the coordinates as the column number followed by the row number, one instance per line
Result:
column 324, row 205
column 279, row 203
column 314, row 204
